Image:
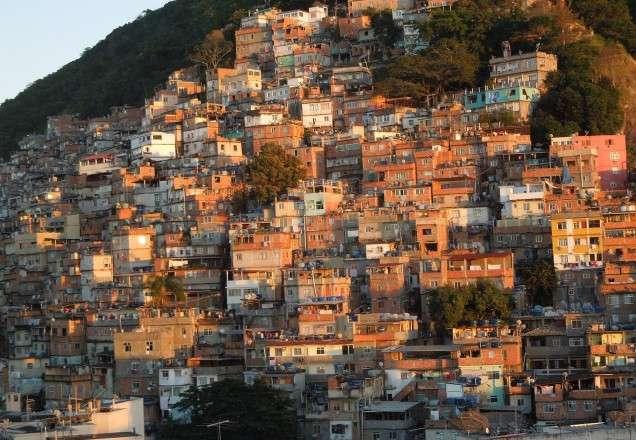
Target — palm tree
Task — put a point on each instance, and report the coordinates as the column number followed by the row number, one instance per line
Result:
column 541, row 281
column 165, row 288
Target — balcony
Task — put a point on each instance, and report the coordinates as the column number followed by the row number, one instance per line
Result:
column 518, row 390
column 68, row 373
column 614, row 349
column 582, row 394
column 316, row 317
column 421, row 364
column 556, row 396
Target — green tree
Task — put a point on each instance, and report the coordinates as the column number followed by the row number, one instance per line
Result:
column 577, row 100
column 610, row 18
column 447, row 305
column 451, row 306
column 384, row 28
column 540, row 281
column 213, row 50
column 165, row 288
column 255, row 412
column 272, row 172
column 449, row 65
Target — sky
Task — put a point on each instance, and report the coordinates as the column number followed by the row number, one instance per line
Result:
column 37, row 37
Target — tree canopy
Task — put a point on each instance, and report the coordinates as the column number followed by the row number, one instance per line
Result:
column 461, row 42
column 384, row 27
column 450, row 306
column 164, row 289
column 447, row 66
column 272, row 172
column 256, row 412
column 540, row 281
column 213, row 50
column 610, row 18
column 577, row 100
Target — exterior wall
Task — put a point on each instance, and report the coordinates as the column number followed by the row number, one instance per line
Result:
column 317, row 113
column 529, row 69
column 155, row 146
column 577, row 240
column 262, row 250
column 611, row 163
column 286, row 134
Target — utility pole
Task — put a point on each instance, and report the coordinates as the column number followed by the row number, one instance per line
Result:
column 218, row 425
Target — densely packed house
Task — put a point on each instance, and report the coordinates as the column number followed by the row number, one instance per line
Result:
column 324, row 293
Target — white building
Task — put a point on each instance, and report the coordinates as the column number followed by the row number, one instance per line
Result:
column 154, row 145
column 521, row 201
column 94, row 270
column 263, row 116
column 106, row 419
column 473, row 216
column 239, row 291
column 172, row 383
column 96, row 164
column 317, row 113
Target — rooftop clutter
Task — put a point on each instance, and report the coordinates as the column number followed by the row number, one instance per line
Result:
column 423, row 269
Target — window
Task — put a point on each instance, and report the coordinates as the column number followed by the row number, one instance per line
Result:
column 561, row 225
column 136, row 387
column 127, row 347
column 320, row 350
column 594, row 224
column 393, row 435
column 494, row 375
column 576, row 342
column 278, row 351
column 588, row 405
column 165, row 374
column 149, row 346
column 493, row 399
column 339, row 428
column 298, row 351
column 576, row 323
column 548, row 407
column 376, row 436
column 571, row 405
column 404, row 376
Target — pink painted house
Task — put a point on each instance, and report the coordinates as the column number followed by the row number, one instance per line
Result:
column 609, row 152
column 611, row 160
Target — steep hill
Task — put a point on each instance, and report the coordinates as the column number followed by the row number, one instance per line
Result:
column 121, row 69
column 132, row 60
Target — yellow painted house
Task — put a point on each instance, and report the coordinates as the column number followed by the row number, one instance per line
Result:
column 577, row 240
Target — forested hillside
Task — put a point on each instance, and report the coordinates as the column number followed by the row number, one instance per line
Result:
column 121, row 69
column 592, row 92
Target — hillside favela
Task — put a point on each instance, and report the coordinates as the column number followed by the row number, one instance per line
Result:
column 358, row 220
